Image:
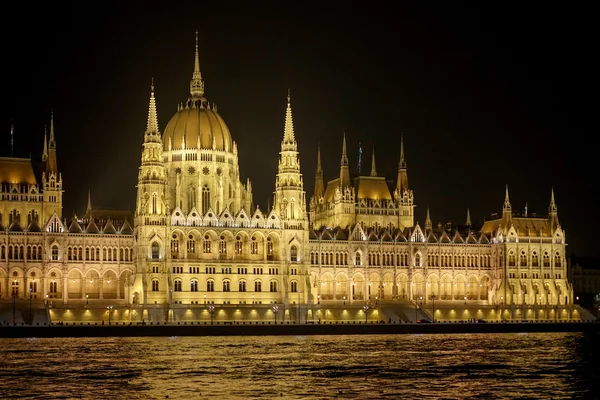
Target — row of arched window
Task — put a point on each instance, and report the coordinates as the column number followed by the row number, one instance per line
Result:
column 92, row 253
column 20, row 252
column 535, row 260
column 226, row 286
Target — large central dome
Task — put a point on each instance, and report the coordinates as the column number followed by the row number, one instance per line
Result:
column 197, row 125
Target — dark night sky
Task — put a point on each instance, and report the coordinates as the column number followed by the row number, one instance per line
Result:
column 484, row 96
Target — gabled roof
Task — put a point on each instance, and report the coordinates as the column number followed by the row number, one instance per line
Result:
column 431, row 238
column 34, row 226
column 444, row 238
column 458, row 238
column 109, row 228
column 75, row 227
column 16, row 170
column 92, row 227
column 126, row 228
column 471, row 239
column 340, row 234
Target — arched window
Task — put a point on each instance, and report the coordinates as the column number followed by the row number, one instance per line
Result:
column 293, row 254
column 222, row 246
column 205, row 199
column 258, row 286
column 557, row 263
column 154, row 204
column 155, row 251
column 242, row 286
column 273, row 286
column 191, row 244
column 294, row 287
column 523, row 259
column 511, row 260
column 417, row 260
column 155, row 285
column 177, row 286
column 226, row 286
column 55, row 253
column 210, row 286
column 357, row 260
column 206, row 244
column 194, row 286
column 254, row 246
column 191, row 197
column 534, row 259
column 238, row 245
column 269, row 249
column 174, row 246
column 546, row 260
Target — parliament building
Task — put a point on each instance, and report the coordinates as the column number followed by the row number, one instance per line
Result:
column 197, row 239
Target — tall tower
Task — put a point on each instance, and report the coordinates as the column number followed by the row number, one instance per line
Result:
column 290, row 198
column 51, row 179
column 319, row 185
column 553, row 213
column 403, row 195
column 152, row 209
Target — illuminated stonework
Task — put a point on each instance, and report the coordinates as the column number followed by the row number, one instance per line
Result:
column 196, row 238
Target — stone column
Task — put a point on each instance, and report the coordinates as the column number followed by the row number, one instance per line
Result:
column 65, row 290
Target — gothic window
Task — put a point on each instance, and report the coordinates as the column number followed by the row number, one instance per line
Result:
column 294, row 287
column 174, row 246
column 254, row 246
column 177, row 286
column 293, row 254
column 192, row 197
column 155, row 285
column 191, row 244
column 273, row 286
column 523, row 260
column 206, row 244
column 222, row 246
column 238, row 245
column 205, row 199
column 55, row 253
column 194, row 286
column 557, row 262
column 511, row 260
column 534, row 259
column 258, row 286
column 357, row 260
column 546, row 260
column 242, row 286
column 226, row 286
column 210, row 286
column 155, row 251
column 154, row 204
column 53, row 287
column 417, row 260
column 269, row 248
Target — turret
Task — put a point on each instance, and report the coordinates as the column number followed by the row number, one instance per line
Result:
column 319, row 185
column 506, row 210
column 344, row 171
column 553, row 212
column 51, row 178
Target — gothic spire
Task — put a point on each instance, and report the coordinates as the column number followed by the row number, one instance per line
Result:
column 51, row 142
column 344, row 171
column 89, row 204
column 196, row 84
column 45, row 153
column 468, row 223
column 552, row 209
column 507, row 206
column 319, row 186
column 402, row 181
column 373, row 170
column 553, row 212
column 288, row 135
column 428, row 220
column 152, row 126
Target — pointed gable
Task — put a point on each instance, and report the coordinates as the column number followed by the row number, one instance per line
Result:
column 273, row 220
column 431, row 238
column 177, row 217
column 399, row 236
column 417, row 234
column 241, row 219
column 444, row 238
column 312, row 235
column 326, row 235
column 483, row 239
column 54, row 224
column 258, row 219
column 210, row 219
column 457, row 238
column 92, row 227
column 109, row 228
column 471, row 239
column 358, row 234
column 15, row 226
column 126, row 228
column 225, row 218
column 34, row 226
column 372, row 236
column 194, row 218
column 75, row 227
column 386, row 236
column 340, row 234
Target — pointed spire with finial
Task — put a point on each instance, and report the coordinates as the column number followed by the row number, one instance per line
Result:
column 507, row 206
column 152, row 126
column 319, row 185
column 428, row 224
column 45, row 153
column 525, row 209
column 51, row 141
column 468, row 223
column 288, row 134
column 402, row 181
column 344, row 171
column 196, row 84
column 552, row 207
column 553, row 212
column 373, row 169
column 89, row 204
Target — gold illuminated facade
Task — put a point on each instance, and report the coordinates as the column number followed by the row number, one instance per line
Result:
column 196, row 238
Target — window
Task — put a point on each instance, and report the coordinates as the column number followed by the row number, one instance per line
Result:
column 210, row 286
column 357, row 259
column 155, row 285
column 205, row 199
column 557, row 261
column 155, row 269
column 511, row 260
column 523, row 260
column 193, row 286
column 293, row 254
column 226, row 286
column 206, row 245
column 258, row 286
column 155, row 251
column 53, row 287
column 294, row 271
column 534, row 259
column 242, row 270
column 222, row 246
column 294, row 287
column 191, row 244
column 269, row 249
column 254, row 246
column 177, row 286
column 55, row 253
column 273, row 286
column 242, row 286
column 546, row 260
column 238, row 245
column 174, row 246
column 191, row 197
column 210, row 270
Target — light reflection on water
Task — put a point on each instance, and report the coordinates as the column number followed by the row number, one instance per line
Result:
column 545, row 365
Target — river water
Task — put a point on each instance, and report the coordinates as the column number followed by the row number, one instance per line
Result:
column 532, row 366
